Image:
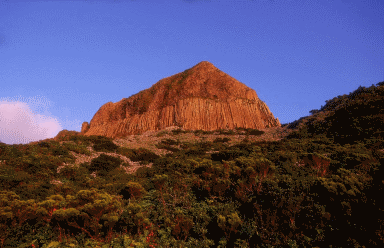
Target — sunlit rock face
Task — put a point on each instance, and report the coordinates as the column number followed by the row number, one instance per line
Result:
column 202, row 97
column 84, row 127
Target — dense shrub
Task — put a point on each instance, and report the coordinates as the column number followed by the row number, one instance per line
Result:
column 221, row 140
column 195, row 151
column 199, row 132
column 308, row 191
column 170, row 142
column 169, row 145
column 179, row 131
column 255, row 132
column 226, row 132
column 105, row 146
column 145, row 172
column 132, row 218
column 162, row 133
column 10, row 178
column 127, row 152
column 119, row 175
column 74, row 173
column 104, row 163
column 44, row 144
column 88, row 140
column 82, row 149
column 88, row 211
column 10, row 152
column 60, row 151
column 133, row 190
column 228, row 154
column 140, row 154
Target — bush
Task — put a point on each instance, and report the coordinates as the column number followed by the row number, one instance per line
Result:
column 133, row 190
column 178, row 131
column 127, row 152
column 221, row 140
column 170, row 142
column 93, row 139
column 74, row 173
column 131, row 219
column 44, row 144
column 197, row 132
column 105, row 146
column 136, row 155
column 195, row 151
column 60, row 151
column 104, row 163
column 226, row 132
column 144, row 172
column 169, row 148
column 162, row 133
column 82, row 149
column 255, row 132
column 228, row 155
column 10, row 178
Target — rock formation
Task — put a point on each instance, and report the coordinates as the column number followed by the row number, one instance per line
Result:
column 202, row 97
column 84, row 127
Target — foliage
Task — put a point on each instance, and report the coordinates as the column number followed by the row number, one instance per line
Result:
column 179, row 131
column 105, row 146
column 310, row 189
column 221, row 140
column 132, row 190
column 141, row 154
column 78, row 148
column 199, row 132
column 104, row 163
column 226, row 132
column 249, row 131
column 162, row 133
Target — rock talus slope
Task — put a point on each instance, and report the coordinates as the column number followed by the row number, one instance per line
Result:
column 202, row 97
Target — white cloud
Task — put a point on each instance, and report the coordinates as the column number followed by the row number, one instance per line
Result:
column 19, row 124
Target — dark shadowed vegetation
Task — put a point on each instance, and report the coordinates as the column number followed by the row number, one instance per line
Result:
column 321, row 186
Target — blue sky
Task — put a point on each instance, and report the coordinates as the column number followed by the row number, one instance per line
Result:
column 60, row 61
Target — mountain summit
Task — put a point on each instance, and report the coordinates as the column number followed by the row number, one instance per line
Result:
column 202, row 97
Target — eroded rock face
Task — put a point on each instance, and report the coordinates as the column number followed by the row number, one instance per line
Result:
column 202, row 97
column 84, row 127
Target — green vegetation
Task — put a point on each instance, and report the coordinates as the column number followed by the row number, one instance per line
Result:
column 169, row 144
column 179, row 130
column 104, row 163
column 141, row 154
column 319, row 187
column 221, row 140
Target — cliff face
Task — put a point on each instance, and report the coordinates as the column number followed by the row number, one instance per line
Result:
column 202, row 97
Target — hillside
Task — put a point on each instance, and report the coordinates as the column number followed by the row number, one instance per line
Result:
column 292, row 186
column 347, row 118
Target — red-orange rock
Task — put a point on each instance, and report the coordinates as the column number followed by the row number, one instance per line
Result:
column 202, row 97
column 84, row 127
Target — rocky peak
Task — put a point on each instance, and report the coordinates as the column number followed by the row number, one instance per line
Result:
column 204, row 67
column 202, row 97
